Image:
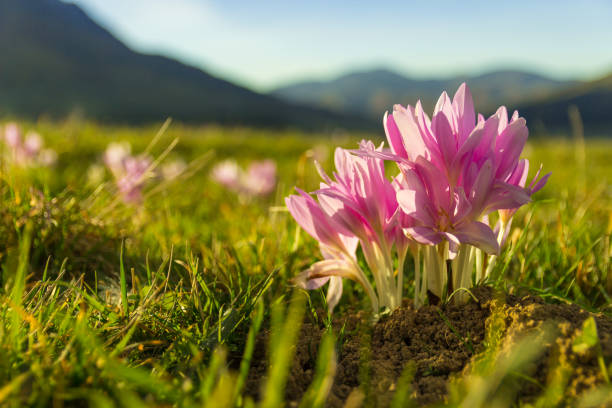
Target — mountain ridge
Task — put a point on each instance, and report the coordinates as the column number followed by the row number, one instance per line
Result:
column 374, row 91
column 593, row 100
column 56, row 60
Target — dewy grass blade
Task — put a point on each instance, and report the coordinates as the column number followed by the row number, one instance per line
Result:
column 283, row 337
column 216, row 364
column 401, row 399
column 19, row 284
column 14, row 385
column 249, row 347
column 325, row 370
column 122, row 281
column 22, row 264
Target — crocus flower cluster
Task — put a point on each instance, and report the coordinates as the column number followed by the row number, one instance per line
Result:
column 358, row 206
column 131, row 172
column 28, row 151
column 258, row 180
column 455, row 169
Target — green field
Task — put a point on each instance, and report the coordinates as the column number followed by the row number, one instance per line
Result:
column 106, row 304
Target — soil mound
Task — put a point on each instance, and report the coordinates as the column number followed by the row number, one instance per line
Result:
column 437, row 342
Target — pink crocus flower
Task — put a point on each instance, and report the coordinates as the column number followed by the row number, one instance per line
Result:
column 337, row 249
column 259, row 180
column 131, row 172
column 457, row 170
column 518, row 178
column 360, row 199
column 437, row 214
column 133, row 180
column 359, row 202
column 227, row 173
column 477, row 162
column 12, row 135
column 28, row 151
column 115, row 155
column 33, row 144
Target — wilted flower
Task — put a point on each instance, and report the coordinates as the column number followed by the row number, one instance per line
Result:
column 258, row 180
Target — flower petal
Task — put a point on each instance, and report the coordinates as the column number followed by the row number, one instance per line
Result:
column 444, row 136
column 509, row 146
column 479, row 235
column 334, row 292
column 412, row 140
column 394, row 136
column 506, row 196
column 423, row 235
column 311, row 217
column 326, row 269
column 463, row 105
column 518, row 177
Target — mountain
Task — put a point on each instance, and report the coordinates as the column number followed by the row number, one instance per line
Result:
column 373, row 92
column 56, row 60
column 593, row 100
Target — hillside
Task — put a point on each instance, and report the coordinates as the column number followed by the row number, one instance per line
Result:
column 593, row 100
column 56, row 60
column 373, row 92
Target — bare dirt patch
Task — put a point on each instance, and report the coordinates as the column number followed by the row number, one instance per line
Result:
column 437, row 342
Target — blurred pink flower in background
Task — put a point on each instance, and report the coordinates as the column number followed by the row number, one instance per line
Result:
column 33, row 144
column 12, row 135
column 131, row 172
column 47, row 157
column 131, row 183
column 260, row 178
column 227, row 173
column 28, row 151
column 115, row 155
column 173, row 169
column 257, row 181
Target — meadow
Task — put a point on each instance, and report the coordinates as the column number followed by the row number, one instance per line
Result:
column 171, row 301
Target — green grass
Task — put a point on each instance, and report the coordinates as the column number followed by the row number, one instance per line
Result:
column 105, row 305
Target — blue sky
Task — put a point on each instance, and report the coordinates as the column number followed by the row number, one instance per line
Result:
column 264, row 43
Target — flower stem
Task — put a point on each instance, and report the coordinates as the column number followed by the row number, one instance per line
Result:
column 418, row 296
column 401, row 259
